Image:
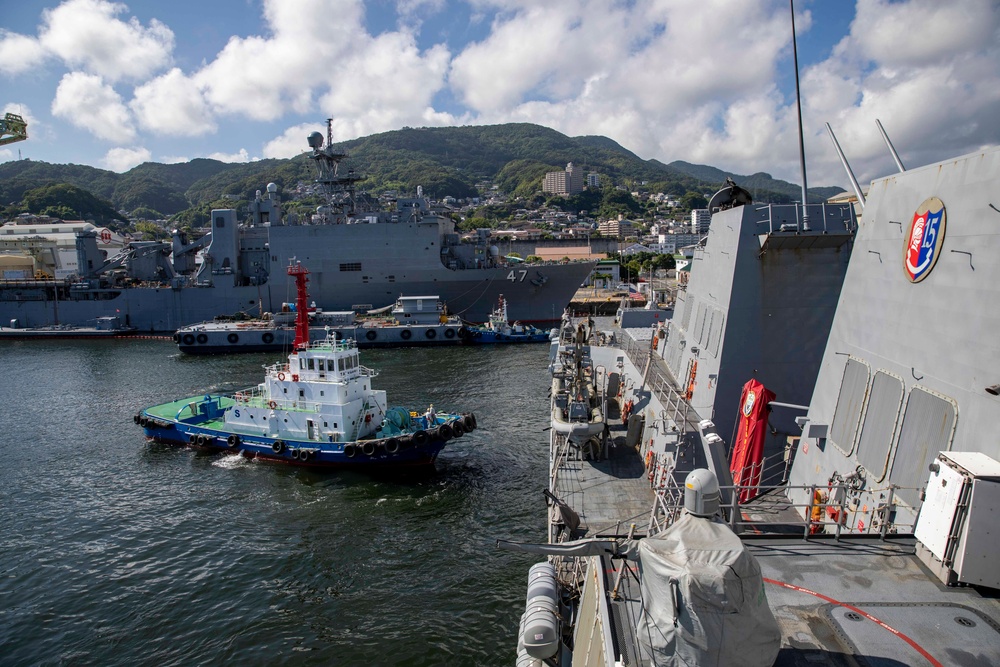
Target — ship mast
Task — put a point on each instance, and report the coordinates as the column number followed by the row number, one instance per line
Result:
column 338, row 189
column 301, row 308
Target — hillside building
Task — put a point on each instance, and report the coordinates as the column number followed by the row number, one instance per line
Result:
column 567, row 182
column 616, row 229
column 700, row 219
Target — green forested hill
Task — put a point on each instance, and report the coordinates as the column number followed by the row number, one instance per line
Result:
column 761, row 185
column 444, row 160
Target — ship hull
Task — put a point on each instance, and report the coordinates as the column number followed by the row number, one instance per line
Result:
column 416, row 449
column 537, row 294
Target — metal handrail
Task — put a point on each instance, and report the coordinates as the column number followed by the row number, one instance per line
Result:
column 668, row 504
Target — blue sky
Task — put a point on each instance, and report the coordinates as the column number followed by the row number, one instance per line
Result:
column 707, row 81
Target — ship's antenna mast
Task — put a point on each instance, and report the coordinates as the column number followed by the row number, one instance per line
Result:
column 802, row 147
column 895, row 156
column 850, row 174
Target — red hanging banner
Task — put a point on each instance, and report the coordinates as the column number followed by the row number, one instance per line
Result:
column 747, row 455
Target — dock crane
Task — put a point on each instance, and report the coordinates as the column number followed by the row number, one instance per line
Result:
column 12, row 128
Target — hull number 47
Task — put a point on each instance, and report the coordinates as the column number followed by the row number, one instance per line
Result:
column 517, row 276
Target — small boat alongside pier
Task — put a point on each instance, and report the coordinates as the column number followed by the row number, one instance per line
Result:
column 499, row 329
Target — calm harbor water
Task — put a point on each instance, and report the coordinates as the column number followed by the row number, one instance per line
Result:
column 116, row 551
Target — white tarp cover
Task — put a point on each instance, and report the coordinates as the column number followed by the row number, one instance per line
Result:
column 703, row 599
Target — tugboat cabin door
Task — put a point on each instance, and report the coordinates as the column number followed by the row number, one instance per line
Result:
column 310, row 429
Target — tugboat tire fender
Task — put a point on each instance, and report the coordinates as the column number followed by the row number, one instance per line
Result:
column 368, row 448
column 469, row 421
column 350, row 451
column 278, row 446
column 202, row 338
column 294, row 453
column 458, row 427
column 233, row 338
column 431, row 333
column 405, row 334
column 233, row 440
column 268, row 338
column 392, row 445
column 371, row 335
column 445, row 432
column 420, row 438
column 136, row 417
column 304, row 455
column 463, row 333
column 193, row 439
column 449, row 333
column 188, row 339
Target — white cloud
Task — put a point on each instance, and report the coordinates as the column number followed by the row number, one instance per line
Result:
column 172, row 104
column 264, row 77
column 19, row 53
column 90, row 104
column 239, row 156
column 292, row 141
column 921, row 32
column 696, row 80
column 87, row 34
column 123, row 159
column 387, row 85
column 937, row 96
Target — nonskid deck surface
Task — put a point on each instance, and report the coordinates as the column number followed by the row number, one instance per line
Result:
column 862, row 600
column 859, row 600
column 609, row 495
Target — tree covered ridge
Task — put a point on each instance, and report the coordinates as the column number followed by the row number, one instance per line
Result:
column 443, row 160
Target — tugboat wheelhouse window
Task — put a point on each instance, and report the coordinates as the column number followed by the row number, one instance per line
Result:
column 350, row 266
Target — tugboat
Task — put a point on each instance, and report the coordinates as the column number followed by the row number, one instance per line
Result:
column 317, row 410
column 499, row 329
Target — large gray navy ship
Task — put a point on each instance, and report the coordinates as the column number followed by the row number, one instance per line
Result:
column 359, row 257
column 841, row 509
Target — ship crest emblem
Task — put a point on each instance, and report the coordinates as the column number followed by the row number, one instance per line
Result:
column 923, row 243
column 748, row 404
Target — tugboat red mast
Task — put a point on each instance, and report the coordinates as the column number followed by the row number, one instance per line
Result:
column 301, row 309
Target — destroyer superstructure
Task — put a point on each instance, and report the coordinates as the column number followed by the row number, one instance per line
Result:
column 359, row 257
column 874, row 526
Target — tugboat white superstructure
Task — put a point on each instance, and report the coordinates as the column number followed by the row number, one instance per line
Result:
column 318, row 409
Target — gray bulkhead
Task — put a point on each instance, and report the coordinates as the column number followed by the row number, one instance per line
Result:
column 759, row 304
column 908, row 366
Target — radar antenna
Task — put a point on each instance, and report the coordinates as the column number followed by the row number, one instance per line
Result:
column 12, row 128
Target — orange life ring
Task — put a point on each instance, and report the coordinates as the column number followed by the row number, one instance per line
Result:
column 272, row 405
column 281, row 377
column 368, row 418
column 656, row 340
column 649, row 457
